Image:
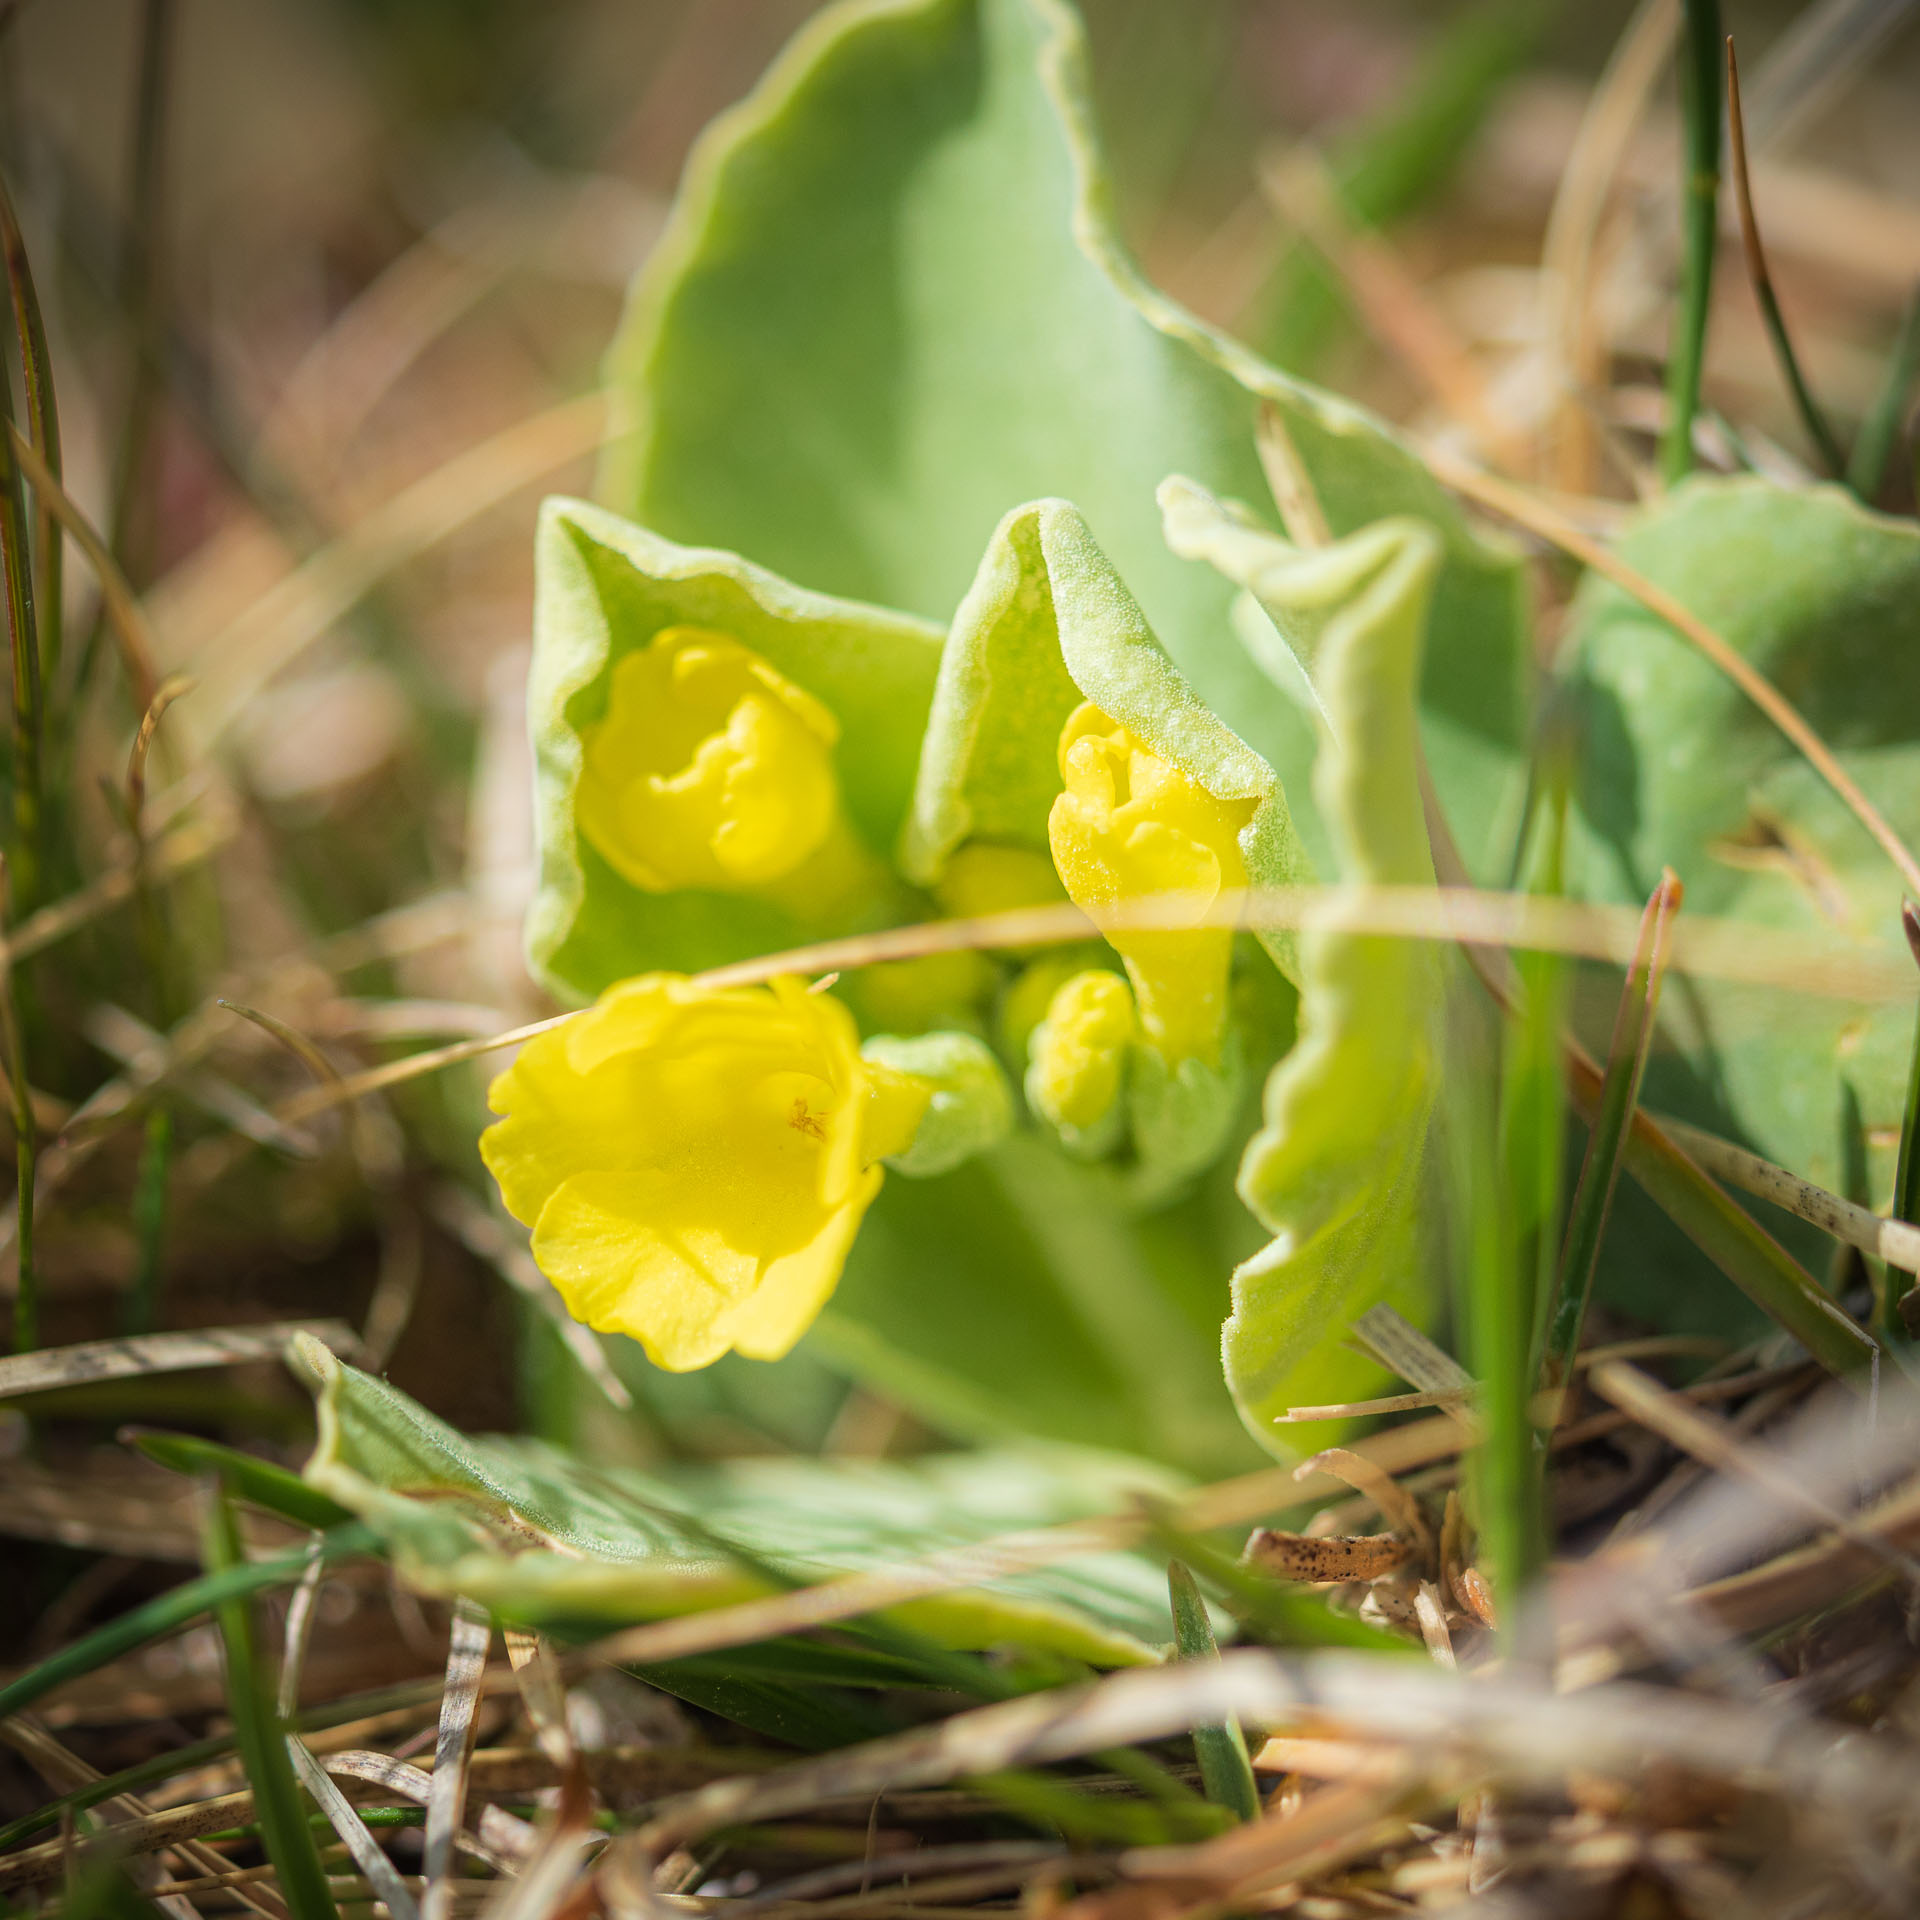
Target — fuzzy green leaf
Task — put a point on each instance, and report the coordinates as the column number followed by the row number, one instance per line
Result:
column 891, row 303
column 1337, row 1171
column 1679, row 768
column 552, row 1541
column 605, row 588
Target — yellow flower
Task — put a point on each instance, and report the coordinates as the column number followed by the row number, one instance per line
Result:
column 711, row 768
column 694, row 1161
column 1130, row 825
column 1080, row 1051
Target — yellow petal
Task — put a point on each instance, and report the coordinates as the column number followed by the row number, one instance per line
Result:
column 1128, row 826
column 1080, row 1050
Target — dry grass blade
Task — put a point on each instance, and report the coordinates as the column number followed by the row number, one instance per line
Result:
column 501, row 1839
column 1385, row 1403
column 542, row 1692
column 161, row 1353
column 1503, row 1722
column 1895, row 1241
column 253, row 648
column 64, row 1771
column 1708, row 949
column 468, row 1635
column 1391, row 301
column 1550, row 524
column 182, row 848
column 1575, row 343
column 1710, row 1442
column 1343, row 1824
column 1397, row 1507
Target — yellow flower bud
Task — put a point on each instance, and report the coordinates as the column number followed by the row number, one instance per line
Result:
column 1080, row 1051
column 711, row 768
column 1130, row 825
column 694, row 1161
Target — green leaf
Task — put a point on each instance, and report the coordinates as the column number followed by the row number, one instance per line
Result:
column 1679, row 768
column 616, row 1546
column 1047, row 624
column 1338, row 1171
column 1020, row 1295
column 891, row 303
column 604, row 589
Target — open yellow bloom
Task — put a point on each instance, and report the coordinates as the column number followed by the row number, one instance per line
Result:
column 711, row 768
column 1130, row 825
column 694, row 1162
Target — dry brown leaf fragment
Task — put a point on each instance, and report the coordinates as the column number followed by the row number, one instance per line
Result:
column 1325, row 1562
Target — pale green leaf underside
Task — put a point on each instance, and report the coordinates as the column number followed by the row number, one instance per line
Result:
column 1337, row 1169
column 546, row 1539
column 604, row 588
column 891, row 304
column 1048, row 623
column 1679, row 768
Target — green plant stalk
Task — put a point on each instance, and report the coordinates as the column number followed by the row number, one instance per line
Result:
column 1495, row 1309
column 43, row 427
column 1226, row 1773
column 1633, row 1028
column 1700, row 67
column 141, row 1313
column 23, row 645
column 26, row 1152
column 170, row 1611
column 1881, row 427
column 1906, row 1176
column 279, row 1809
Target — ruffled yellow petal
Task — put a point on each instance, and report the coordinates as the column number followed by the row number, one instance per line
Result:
column 711, row 769
column 694, row 1162
column 1131, row 825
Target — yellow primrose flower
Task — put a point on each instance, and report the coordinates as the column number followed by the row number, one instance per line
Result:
column 1130, row 825
column 695, row 1161
column 711, row 768
column 1080, row 1051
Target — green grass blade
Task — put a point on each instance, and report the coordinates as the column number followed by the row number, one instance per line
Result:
column 1700, row 63
column 278, row 1807
column 1818, row 429
column 168, row 1612
column 1633, row 1029
column 1878, row 431
column 253, row 1479
column 1225, row 1771
column 43, row 427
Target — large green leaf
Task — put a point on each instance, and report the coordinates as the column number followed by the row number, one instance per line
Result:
column 550, row 1540
column 606, row 588
column 891, row 304
column 1679, row 768
column 1338, row 1169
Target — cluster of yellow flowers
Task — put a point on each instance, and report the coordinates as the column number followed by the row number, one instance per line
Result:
column 694, row 1161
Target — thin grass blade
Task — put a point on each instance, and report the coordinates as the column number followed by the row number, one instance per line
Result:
column 1225, row 1771
column 469, row 1634
column 261, row 1737
column 1699, row 74
column 1819, row 431
column 1633, row 1029
column 1867, row 467
column 167, row 1613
